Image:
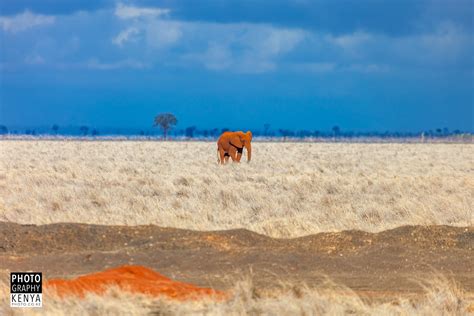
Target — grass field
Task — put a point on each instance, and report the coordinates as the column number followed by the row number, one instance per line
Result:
column 439, row 298
column 288, row 190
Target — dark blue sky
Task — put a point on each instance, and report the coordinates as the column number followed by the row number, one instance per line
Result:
column 363, row 65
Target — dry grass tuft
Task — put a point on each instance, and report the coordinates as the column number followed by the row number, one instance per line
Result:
column 441, row 297
column 289, row 189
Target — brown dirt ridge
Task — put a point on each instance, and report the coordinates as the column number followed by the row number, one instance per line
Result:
column 386, row 262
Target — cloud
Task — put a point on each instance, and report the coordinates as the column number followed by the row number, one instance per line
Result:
column 367, row 68
column 216, row 57
column 360, row 51
column 447, row 44
column 277, row 41
column 150, row 36
column 333, row 67
column 264, row 46
column 131, row 12
column 94, row 63
column 125, row 36
column 242, row 48
column 238, row 47
column 315, row 67
column 24, row 21
column 160, row 34
column 350, row 41
column 34, row 59
column 259, row 48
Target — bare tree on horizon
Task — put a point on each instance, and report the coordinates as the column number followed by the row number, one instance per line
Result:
column 165, row 121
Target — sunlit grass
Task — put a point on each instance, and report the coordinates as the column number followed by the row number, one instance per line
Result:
column 440, row 297
column 288, row 190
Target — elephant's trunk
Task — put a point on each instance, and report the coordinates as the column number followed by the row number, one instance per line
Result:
column 249, row 151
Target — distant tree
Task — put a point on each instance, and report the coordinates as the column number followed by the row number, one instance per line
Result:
column 316, row 133
column 266, row 128
column 438, row 131
column 224, row 130
column 95, row 132
column 304, row 133
column 214, row 132
column 55, row 128
column 142, row 133
column 165, row 121
column 445, row 131
column 84, row 130
column 189, row 131
column 205, row 133
column 286, row 133
column 336, row 131
column 3, row 130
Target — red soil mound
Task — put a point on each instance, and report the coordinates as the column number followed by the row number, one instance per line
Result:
column 135, row 279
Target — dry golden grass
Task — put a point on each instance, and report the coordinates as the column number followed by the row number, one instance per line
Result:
column 288, row 190
column 440, row 297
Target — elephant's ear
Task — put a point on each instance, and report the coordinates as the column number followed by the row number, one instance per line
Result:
column 236, row 141
column 249, row 135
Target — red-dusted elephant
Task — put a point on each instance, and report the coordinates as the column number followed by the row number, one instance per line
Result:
column 231, row 144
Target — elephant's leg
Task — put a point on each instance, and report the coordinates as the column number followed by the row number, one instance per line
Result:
column 226, row 155
column 233, row 154
column 222, row 155
column 239, row 154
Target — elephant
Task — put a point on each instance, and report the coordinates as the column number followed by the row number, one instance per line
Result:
column 231, row 144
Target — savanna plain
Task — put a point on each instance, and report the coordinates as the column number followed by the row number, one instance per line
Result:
column 304, row 228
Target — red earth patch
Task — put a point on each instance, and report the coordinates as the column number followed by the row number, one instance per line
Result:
column 134, row 279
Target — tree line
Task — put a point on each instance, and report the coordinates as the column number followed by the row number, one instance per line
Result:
column 167, row 122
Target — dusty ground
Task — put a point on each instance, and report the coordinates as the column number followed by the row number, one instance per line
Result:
column 386, row 263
